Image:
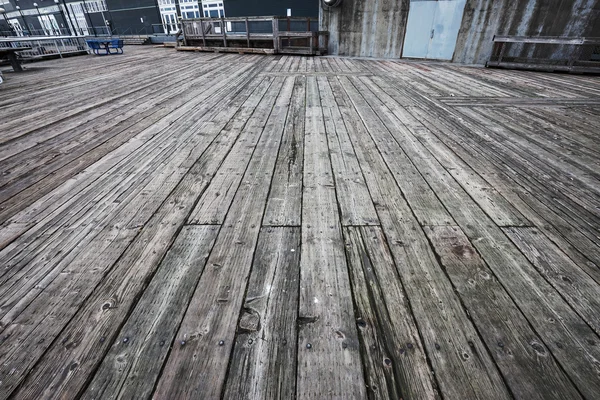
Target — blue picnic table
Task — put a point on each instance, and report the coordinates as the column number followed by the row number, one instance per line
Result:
column 103, row 47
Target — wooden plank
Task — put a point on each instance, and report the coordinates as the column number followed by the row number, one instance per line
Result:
column 544, row 217
column 574, row 285
column 476, row 149
column 131, row 367
column 209, row 325
column 146, row 134
column 526, row 363
column 356, row 206
column 576, row 154
column 125, row 283
column 285, row 198
column 113, row 200
column 447, row 333
column 328, row 348
column 535, row 297
column 264, row 356
column 424, row 202
column 252, row 50
column 46, row 177
column 215, row 202
column 386, row 326
column 410, row 130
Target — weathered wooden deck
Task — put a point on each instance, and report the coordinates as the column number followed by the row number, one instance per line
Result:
column 184, row 225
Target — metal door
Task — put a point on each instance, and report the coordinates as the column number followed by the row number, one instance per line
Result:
column 432, row 28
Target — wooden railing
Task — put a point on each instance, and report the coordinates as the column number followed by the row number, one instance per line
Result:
column 271, row 35
column 546, row 53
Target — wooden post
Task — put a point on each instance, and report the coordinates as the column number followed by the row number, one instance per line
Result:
column 575, row 54
column 502, row 48
column 289, row 28
column 202, row 29
column 247, row 33
column 58, row 48
column 223, row 32
column 275, row 35
column 14, row 62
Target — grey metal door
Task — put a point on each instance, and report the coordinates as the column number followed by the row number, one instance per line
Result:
column 432, row 28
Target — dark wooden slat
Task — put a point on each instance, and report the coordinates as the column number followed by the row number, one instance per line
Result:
column 451, row 342
column 284, row 206
column 578, row 288
column 356, row 206
column 424, row 202
column 502, row 163
column 132, row 365
column 214, row 204
column 393, row 355
column 328, row 348
column 265, row 345
column 209, row 325
column 124, row 283
column 408, row 129
column 525, row 362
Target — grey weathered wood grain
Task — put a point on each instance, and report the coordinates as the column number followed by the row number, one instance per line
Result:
column 393, row 354
column 498, row 208
column 284, row 206
column 356, row 206
column 446, row 330
column 545, row 218
column 527, row 365
column 209, row 325
column 125, row 283
column 328, row 350
column 134, row 362
column 215, row 202
column 562, row 273
column 265, row 345
column 98, row 183
column 424, row 202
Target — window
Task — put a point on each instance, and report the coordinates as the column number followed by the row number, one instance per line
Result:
column 213, row 9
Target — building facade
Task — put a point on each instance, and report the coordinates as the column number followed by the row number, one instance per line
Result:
column 131, row 17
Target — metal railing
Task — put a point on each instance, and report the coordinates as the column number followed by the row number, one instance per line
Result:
column 47, row 46
column 99, row 31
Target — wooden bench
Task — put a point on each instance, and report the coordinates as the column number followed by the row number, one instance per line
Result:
column 11, row 54
column 577, row 55
column 103, row 47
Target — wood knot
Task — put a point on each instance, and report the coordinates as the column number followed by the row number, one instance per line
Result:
column 307, row 320
column 538, row 347
column 463, row 251
column 250, row 321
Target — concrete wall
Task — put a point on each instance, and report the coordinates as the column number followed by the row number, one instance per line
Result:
column 375, row 28
column 366, row 28
column 484, row 18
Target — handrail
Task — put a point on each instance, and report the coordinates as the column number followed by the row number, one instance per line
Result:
column 546, row 40
column 35, row 38
column 263, row 18
column 48, row 46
